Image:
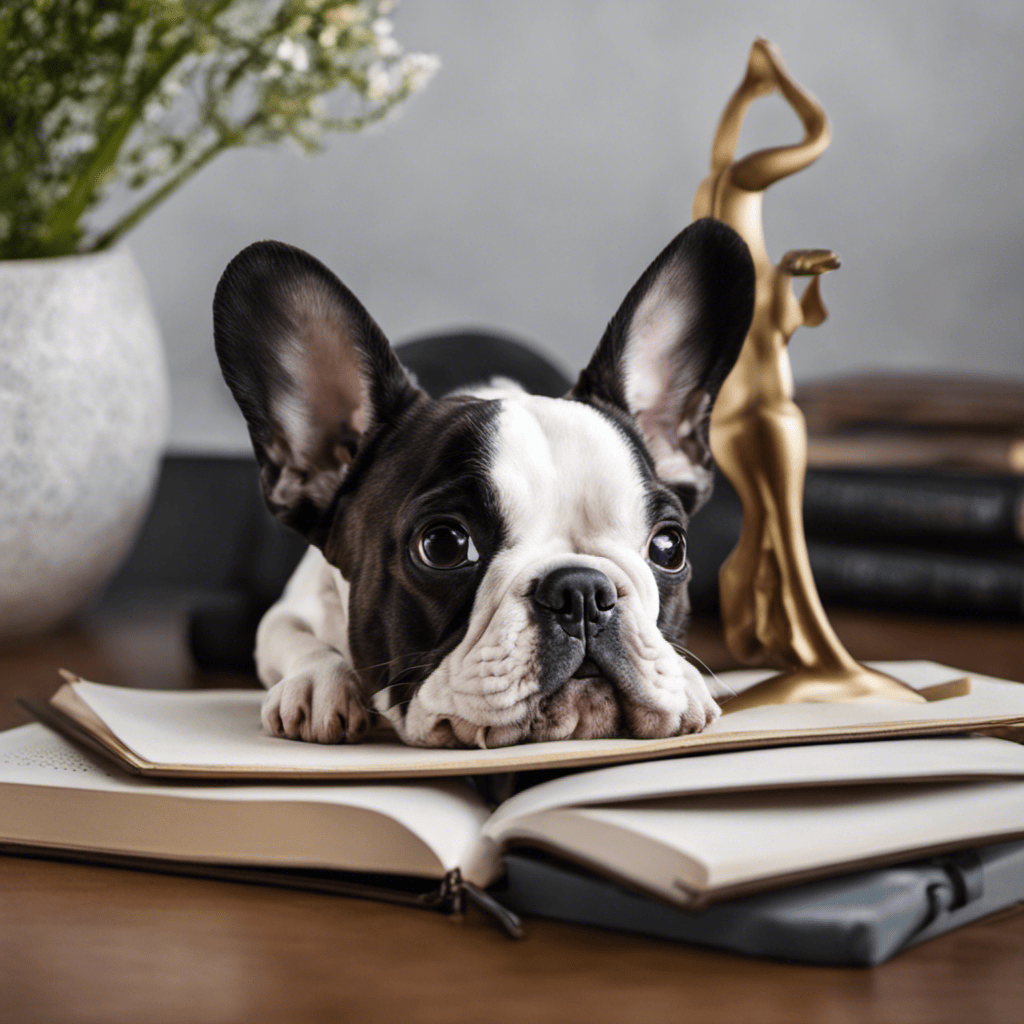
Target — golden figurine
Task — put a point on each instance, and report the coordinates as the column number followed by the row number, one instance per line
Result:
column 770, row 606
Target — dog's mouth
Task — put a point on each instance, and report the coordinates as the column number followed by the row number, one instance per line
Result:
column 588, row 669
column 589, row 690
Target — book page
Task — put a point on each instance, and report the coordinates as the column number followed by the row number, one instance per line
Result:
column 52, row 794
column 219, row 731
column 935, row 759
column 720, row 845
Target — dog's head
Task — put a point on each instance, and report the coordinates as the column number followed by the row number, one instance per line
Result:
column 516, row 565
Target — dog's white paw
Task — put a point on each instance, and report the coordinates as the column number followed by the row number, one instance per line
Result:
column 702, row 708
column 320, row 705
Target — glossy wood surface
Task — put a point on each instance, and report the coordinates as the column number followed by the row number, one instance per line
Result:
column 81, row 944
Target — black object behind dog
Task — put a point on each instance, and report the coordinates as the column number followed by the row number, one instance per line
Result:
column 222, row 628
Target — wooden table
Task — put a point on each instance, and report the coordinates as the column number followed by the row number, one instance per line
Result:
column 81, row 944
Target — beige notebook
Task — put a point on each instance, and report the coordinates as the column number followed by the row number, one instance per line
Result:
column 688, row 830
column 217, row 734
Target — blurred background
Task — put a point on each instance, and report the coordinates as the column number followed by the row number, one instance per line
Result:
column 521, row 194
column 558, row 150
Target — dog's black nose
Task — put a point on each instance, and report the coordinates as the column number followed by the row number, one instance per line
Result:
column 580, row 600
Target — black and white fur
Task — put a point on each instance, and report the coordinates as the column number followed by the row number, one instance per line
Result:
column 562, row 626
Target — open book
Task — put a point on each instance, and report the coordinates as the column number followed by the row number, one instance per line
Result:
column 216, row 733
column 687, row 830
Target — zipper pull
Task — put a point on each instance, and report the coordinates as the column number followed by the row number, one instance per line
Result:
column 484, row 901
column 456, row 892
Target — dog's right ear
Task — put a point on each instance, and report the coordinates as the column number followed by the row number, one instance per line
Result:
column 310, row 370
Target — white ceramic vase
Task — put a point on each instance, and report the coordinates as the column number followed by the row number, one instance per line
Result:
column 83, row 420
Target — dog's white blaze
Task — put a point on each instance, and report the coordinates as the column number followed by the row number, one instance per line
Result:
column 571, row 493
column 566, row 478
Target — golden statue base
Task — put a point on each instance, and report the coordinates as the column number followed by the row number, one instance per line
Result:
column 816, row 686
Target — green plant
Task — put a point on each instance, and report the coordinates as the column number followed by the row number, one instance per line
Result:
column 132, row 97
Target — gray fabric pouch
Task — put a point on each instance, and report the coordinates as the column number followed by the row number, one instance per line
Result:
column 859, row 919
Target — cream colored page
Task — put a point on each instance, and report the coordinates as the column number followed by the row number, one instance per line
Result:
column 222, row 728
column 936, row 758
column 446, row 815
column 742, row 838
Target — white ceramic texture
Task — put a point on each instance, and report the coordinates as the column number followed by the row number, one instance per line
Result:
column 83, row 419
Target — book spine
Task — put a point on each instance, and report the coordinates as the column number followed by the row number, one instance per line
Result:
column 916, row 508
column 918, row 581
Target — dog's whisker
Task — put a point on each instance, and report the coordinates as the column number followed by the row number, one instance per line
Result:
column 382, row 701
column 411, row 668
column 687, row 653
column 393, row 661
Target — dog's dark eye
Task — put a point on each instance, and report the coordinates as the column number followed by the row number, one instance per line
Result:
column 667, row 548
column 446, row 545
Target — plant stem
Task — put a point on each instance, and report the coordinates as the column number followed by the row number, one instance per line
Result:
column 61, row 232
column 61, row 228
column 129, row 220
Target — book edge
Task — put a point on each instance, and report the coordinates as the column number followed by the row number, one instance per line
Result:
column 66, row 716
column 65, row 724
column 675, row 747
column 692, row 895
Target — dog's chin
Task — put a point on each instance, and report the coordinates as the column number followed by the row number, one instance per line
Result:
column 587, row 706
column 582, row 708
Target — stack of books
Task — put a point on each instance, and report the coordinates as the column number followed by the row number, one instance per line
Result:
column 914, row 497
column 773, row 832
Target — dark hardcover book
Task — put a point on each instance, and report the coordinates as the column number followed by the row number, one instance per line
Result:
column 937, row 401
column 919, row 580
column 960, row 572
column 859, row 919
column 978, row 451
column 924, row 506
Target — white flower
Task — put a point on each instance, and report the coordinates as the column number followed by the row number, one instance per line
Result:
column 158, row 160
column 418, row 68
column 290, row 52
column 310, row 129
column 388, row 46
column 378, row 81
column 382, row 26
column 72, row 145
column 107, row 25
column 346, row 14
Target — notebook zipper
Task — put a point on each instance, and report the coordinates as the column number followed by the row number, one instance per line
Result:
column 455, row 892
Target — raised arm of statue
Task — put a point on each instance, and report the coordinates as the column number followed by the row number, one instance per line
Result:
column 810, row 311
column 754, row 173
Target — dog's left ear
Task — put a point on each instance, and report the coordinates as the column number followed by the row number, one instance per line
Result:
column 670, row 346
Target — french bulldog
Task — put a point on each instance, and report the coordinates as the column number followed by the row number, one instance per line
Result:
column 489, row 567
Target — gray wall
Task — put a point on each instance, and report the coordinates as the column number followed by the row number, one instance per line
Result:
column 559, row 148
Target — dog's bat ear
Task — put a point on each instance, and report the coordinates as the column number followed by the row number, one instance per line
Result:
column 670, row 346
column 311, row 372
